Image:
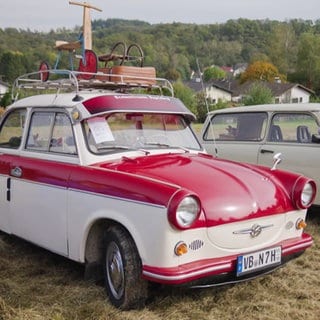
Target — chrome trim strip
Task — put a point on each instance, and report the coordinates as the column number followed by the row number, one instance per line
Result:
column 254, row 231
column 298, row 246
column 186, row 276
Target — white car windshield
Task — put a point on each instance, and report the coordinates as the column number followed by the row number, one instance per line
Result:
column 121, row 131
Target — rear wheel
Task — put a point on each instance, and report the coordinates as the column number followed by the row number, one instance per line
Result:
column 122, row 270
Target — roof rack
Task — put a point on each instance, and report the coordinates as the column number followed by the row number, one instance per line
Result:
column 68, row 80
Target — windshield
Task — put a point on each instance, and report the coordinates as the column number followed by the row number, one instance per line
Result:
column 122, row 131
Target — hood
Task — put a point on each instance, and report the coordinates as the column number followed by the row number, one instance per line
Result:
column 228, row 191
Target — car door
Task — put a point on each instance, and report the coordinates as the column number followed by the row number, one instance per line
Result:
column 290, row 133
column 235, row 136
column 11, row 131
column 39, row 183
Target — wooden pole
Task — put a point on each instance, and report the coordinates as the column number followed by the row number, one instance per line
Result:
column 86, row 25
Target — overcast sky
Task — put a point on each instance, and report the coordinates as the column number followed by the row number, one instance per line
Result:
column 44, row 15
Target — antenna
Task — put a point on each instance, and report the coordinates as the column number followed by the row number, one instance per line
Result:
column 207, row 107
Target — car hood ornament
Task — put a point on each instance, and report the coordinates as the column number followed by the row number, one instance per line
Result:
column 254, row 231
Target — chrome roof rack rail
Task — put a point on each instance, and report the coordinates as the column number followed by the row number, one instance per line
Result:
column 68, row 80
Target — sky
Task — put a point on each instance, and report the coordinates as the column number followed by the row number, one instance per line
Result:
column 45, row 15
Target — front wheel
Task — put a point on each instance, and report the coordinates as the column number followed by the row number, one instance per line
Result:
column 122, row 270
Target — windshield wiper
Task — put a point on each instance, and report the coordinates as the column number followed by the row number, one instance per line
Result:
column 113, row 147
column 158, row 144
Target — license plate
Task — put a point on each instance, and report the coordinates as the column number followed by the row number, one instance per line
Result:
column 258, row 260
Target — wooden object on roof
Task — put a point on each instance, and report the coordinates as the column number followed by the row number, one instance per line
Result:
column 86, row 29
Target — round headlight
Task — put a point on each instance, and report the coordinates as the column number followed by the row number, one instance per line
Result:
column 187, row 211
column 304, row 193
column 307, row 194
column 184, row 209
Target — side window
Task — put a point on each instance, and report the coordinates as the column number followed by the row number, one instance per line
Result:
column 249, row 126
column 292, row 127
column 12, row 129
column 51, row 132
column 40, row 131
column 62, row 135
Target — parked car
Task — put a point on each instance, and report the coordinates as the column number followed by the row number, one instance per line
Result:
column 119, row 182
column 254, row 134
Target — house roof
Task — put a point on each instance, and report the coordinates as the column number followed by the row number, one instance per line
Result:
column 277, row 88
column 222, row 84
column 195, row 84
column 232, row 86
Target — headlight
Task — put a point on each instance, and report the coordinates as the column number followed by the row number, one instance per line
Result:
column 184, row 210
column 187, row 211
column 307, row 194
column 304, row 193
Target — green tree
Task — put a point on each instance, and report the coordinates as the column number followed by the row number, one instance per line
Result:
column 11, row 66
column 258, row 94
column 282, row 47
column 185, row 94
column 6, row 99
column 308, row 61
column 202, row 106
column 213, row 73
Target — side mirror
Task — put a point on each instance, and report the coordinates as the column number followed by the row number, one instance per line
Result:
column 315, row 138
column 276, row 160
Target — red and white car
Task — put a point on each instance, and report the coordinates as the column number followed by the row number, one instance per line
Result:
column 120, row 183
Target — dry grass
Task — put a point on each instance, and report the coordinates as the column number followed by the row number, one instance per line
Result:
column 38, row 285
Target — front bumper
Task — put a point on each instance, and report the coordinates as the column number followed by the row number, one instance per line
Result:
column 222, row 270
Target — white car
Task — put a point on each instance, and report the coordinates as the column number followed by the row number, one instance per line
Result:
column 119, row 182
column 254, row 134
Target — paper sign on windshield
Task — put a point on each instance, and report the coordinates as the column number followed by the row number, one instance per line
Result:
column 100, row 130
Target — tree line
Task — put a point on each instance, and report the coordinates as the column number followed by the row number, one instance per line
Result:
column 177, row 49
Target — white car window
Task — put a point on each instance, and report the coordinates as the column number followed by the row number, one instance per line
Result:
column 293, row 127
column 51, row 132
column 12, row 129
column 237, row 126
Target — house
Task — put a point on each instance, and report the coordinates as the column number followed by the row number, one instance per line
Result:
column 231, row 90
column 239, row 68
column 282, row 92
column 216, row 90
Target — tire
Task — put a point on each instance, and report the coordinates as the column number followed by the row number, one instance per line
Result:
column 90, row 66
column 44, row 71
column 122, row 271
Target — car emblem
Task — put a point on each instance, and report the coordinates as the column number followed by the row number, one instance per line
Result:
column 254, row 231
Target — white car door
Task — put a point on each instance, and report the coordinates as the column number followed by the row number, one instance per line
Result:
column 291, row 135
column 4, row 201
column 39, row 177
column 11, row 131
column 38, row 205
column 235, row 136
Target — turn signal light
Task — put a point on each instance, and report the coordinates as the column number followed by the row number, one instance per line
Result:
column 300, row 224
column 180, row 248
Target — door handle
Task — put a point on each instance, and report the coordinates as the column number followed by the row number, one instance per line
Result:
column 266, row 151
column 16, row 172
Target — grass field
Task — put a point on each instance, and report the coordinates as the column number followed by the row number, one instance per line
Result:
column 38, row 285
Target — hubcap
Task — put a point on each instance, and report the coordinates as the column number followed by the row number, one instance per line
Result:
column 115, row 271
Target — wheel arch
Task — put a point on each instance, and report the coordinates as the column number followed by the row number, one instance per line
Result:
column 94, row 246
